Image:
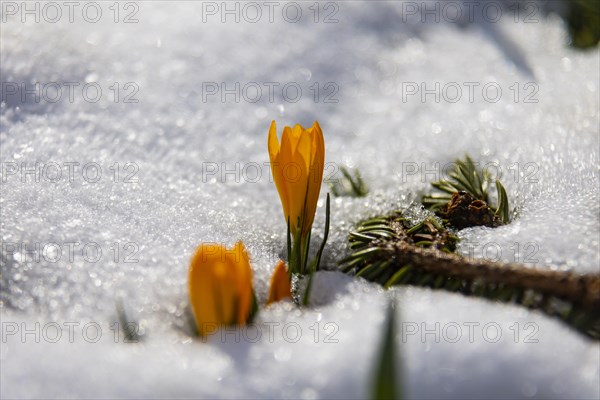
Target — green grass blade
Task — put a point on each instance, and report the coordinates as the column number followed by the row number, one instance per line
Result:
column 384, row 383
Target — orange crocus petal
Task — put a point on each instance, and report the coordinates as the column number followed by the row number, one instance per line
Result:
column 296, row 178
column 244, row 282
column 220, row 287
column 297, row 133
column 273, row 142
column 280, row 284
column 224, row 289
column 277, row 168
column 202, row 297
column 290, row 173
column 317, row 163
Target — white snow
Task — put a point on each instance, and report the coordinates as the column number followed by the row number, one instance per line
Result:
column 174, row 141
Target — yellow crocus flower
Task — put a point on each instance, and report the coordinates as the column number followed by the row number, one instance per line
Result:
column 220, row 287
column 297, row 165
column 280, row 284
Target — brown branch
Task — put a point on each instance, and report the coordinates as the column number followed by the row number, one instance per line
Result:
column 582, row 290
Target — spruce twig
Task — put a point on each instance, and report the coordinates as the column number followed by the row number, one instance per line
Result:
column 464, row 199
column 391, row 251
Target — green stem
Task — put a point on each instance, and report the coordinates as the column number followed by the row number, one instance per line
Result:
column 289, row 251
column 305, row 246
column 297, row 255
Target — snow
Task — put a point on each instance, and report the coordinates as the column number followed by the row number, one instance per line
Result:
column 174, row 141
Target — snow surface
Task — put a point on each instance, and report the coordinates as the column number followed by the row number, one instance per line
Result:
column 178, row 203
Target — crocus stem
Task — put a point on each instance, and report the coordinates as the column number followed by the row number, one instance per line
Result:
column 305, row 245
column 317, row 261
column 290, row 256
column 297, row 254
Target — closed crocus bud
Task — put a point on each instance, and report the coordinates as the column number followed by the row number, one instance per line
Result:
column 220, row 287
column 297, row 165
column 280, row 284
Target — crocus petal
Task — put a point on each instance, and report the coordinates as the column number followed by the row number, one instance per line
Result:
column 280, row 284
column 277, row 168
column 273, row 142
column 220, row 287
column 296, row 177
column 294, row 134
column 289, row 137
column 244, row 282
column 224, row 287
column 317, row 156
column 290, row 174
column 201, row 289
